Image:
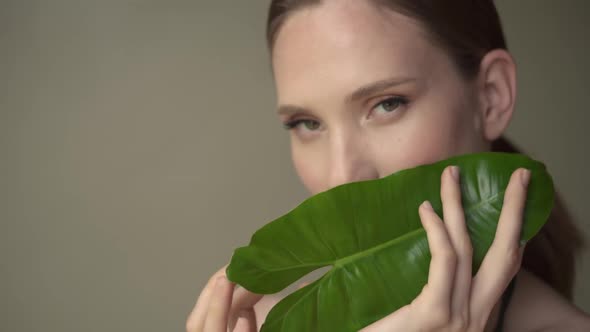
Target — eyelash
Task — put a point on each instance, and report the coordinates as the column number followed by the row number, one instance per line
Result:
column 401, row 101
column 290, row 125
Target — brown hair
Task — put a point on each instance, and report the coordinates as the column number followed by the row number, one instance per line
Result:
column 467, row 30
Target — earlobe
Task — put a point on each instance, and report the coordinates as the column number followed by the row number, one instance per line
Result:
column 497, row 82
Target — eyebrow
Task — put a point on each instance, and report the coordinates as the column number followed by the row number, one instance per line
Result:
column 376, row 87
column 289, row 110
column 360, row 93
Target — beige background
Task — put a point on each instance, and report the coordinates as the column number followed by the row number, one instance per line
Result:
column 138, row 147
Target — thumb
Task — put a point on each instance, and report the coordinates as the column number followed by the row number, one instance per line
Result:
column 242, row 317
column 246, row 321
column 244, row 299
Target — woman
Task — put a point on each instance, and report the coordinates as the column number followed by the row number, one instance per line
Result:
column 367, row 88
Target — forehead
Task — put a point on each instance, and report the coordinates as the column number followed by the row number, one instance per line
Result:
column 348, row 42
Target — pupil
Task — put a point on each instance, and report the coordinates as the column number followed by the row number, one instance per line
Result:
column 311, row 125
column 389, row 105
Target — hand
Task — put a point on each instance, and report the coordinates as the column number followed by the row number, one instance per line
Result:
column 452, row 300
column 222, row 306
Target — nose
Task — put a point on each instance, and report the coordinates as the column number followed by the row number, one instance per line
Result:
column 350, row 160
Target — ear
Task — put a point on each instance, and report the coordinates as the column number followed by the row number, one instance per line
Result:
column 497, row 91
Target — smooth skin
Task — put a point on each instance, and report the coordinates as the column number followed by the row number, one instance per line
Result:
column 366, row 93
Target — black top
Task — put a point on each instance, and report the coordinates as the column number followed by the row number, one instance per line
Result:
column 504, row 306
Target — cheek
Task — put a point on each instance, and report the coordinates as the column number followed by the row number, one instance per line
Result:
column 410, row 151
column 424, row 139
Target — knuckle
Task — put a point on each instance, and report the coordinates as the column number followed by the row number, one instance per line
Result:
column 513, row 257
column 509, row 208
column 214, row 276
column 459, row 323
column 465, row 247
column 212, row 280
column 450, row 197
column 439, row 317
column 446, row 195
column 448, row 256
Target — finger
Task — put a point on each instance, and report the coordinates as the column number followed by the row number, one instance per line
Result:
column 242, row 301
column 510, row 223
column 219, row 306
column 442, row 265
column 504, row 257
column 246, row 322
column 489, row 284
column 196, row 319
column 454, row 219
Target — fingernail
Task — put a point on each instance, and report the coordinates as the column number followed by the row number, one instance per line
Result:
column 455, row 173
column 525, row 177
column 427, row 206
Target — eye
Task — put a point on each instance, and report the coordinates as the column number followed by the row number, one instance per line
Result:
column 307, row 124
column 390, row 105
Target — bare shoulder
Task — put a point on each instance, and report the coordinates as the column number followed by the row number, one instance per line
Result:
column 536, row 307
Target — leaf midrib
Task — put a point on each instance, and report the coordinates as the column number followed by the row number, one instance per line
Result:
column 340, row 263
column 347, row 259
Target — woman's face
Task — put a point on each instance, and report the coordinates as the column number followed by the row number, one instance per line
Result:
column 366, row 94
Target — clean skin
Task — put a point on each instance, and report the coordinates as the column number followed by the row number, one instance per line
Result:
column 364, row 92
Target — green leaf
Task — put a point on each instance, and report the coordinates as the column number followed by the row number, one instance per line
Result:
column 371, row 235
